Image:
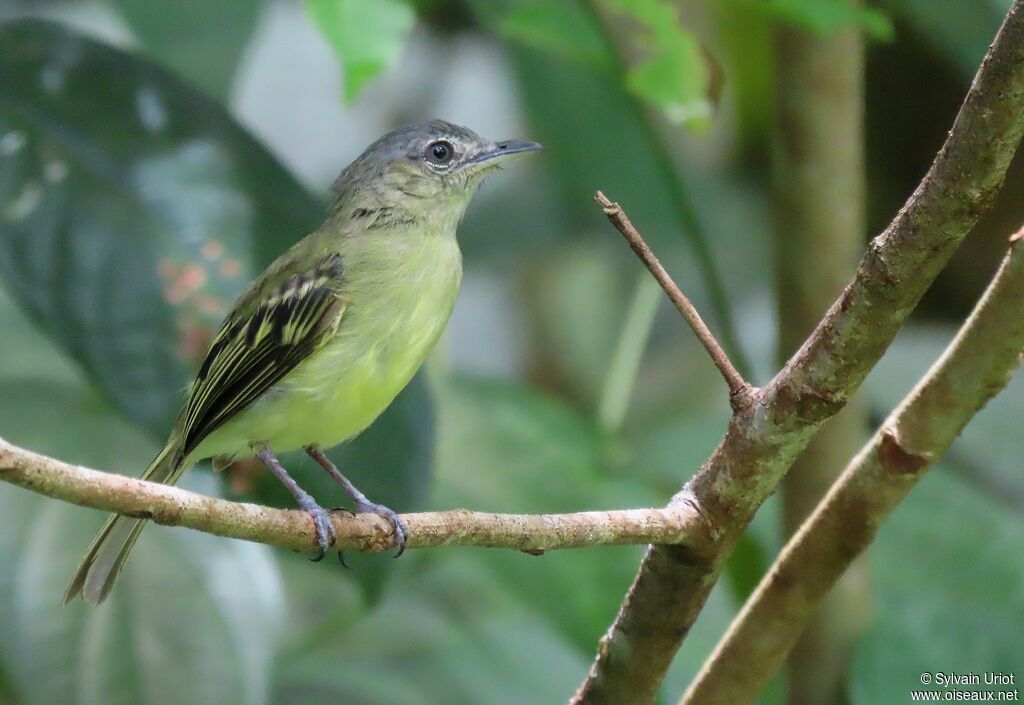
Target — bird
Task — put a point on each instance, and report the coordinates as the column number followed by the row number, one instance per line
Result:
column 319, row 345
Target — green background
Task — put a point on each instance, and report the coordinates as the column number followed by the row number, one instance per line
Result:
column 135, row 133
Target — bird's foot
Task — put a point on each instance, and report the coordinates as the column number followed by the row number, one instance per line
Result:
column 325, row 535
column 397, row 525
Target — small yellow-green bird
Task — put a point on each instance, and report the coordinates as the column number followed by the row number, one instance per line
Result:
column 323, row 341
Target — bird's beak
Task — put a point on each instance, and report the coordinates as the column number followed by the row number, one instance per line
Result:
column 508, row 147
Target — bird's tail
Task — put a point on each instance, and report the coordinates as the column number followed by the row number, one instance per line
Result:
column 109, row 550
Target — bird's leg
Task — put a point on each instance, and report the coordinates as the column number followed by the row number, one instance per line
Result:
column 321, row 518
column 363, row 505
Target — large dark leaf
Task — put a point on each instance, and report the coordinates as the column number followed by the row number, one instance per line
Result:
column 132, row 212
column 200, row 40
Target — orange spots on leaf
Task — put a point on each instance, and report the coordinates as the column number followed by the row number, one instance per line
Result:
column 192, row 276
column 212, row 249
column 210, row 305
column 230, row 268
column 182, row 282
column 193, row 338
column 175, row 294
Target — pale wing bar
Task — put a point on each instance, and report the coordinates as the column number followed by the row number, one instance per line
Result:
column 251, row 354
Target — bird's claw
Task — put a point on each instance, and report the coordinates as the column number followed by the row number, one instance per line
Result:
column 325, row 535
column 397, row 525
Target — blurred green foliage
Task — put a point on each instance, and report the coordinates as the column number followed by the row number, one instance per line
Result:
column 673, row 76
column 201, row 40
column 827, row 16
column 128, row 185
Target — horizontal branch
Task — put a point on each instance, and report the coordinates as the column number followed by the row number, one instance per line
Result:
column 974, row 368
column 764, row 438
column 293, row 529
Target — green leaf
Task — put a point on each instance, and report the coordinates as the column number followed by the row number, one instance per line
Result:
column 672, row 74
column 200, row 40
column 949, row 592
column 132, row 211
column 563, row 28
column 675, row 76
column 36, row 380
column 367, row 35
column 828, row 16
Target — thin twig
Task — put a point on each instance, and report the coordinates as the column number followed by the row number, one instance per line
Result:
column 739, row 390
column 974, row 368
column 293, row 529
column 761, row 442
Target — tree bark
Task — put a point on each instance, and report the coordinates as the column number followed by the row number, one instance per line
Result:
column 978, row 364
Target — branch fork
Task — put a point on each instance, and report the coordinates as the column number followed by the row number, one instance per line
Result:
column 758, row 448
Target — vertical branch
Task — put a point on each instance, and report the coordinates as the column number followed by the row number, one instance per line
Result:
column 819, row 217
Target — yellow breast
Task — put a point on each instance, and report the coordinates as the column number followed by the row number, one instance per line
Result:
column 399, row 297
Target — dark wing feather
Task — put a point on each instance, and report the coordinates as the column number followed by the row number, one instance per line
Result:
column 252, row 353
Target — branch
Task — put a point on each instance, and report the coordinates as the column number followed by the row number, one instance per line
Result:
column 366, row 532
column 974, row 368
column 739, row 390
column 763, row 439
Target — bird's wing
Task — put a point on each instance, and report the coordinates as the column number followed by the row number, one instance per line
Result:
column 259, row 344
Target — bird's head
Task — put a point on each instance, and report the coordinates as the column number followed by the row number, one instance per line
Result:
column 429, row 165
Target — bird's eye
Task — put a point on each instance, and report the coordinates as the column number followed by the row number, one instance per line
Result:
column 440, row 153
